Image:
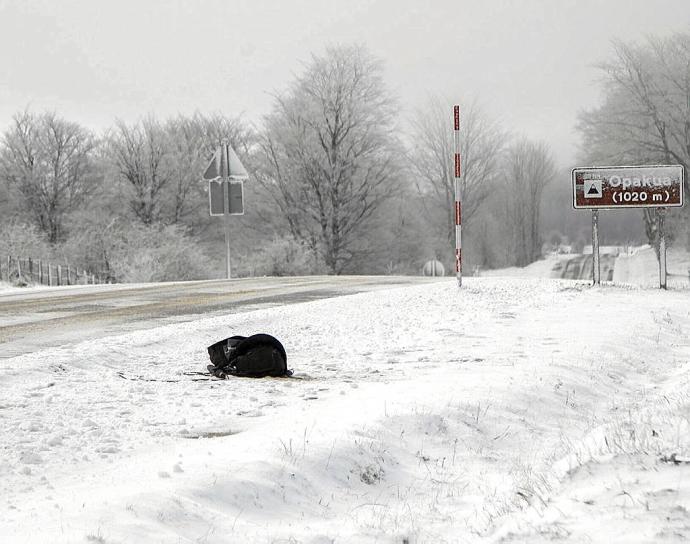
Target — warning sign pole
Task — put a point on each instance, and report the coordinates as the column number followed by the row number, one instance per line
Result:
column 596, row 270
column 226, row 209
column 458, row 204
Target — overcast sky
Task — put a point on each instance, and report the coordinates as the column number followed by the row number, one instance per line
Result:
column 529, row 62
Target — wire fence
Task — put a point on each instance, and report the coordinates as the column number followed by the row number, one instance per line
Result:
column 36, row 271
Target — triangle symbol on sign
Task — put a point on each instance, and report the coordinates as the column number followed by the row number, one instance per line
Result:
column 593, row 190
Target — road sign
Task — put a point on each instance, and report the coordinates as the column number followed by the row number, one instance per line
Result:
column 225, row 189
column 216, row 197
column 225, row 164
column 655, row 186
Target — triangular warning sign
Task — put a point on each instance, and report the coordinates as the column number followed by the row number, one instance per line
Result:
column 213, row 168
column 225, row 164
column 592, row 191
column 234, row 167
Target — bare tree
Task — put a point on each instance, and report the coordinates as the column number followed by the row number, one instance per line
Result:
column 184, row 164
column 329, row 158
column 645, row 117
column 528, row 169
column 47, row 159
column 216, row 127
column 138, row 153
column 431, row 156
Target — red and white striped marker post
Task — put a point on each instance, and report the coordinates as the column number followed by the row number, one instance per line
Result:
column 458, row 206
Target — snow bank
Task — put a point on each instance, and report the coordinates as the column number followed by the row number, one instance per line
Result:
column 420, row 414
column 538, row 269
column 642, row 268
column 6, row 288
column 639, row 267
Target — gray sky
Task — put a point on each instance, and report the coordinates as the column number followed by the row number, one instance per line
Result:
column 529, row 62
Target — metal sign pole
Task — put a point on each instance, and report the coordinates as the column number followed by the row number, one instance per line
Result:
column 458, row 204
column 596, row 271
column 226, row 211
column 662, row 248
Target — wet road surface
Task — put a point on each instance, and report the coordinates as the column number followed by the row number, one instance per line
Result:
column 37, row 319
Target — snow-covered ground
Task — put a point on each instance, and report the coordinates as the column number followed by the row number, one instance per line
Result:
column 511, row 410
column 639, row 267
column 6, row 287
column 538, row 269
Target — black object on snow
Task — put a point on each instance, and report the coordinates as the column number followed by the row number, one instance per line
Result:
column 255, row 356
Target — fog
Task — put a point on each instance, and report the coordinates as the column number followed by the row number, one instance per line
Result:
column 530, row 63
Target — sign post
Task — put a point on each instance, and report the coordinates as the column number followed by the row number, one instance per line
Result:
column 226, row 219
column 225, row 174
column 596, row 270
column 458, row 196
column 609, row 187
column 662, row 247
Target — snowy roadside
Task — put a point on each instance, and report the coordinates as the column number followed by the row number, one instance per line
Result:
column 8, row 289
column 424, row 414
column 639, row 267
column 538, row 269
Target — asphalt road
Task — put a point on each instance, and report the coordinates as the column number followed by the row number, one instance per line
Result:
column 39, row 319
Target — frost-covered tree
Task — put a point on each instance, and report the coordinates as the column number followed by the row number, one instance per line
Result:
column 185, row 158
column 329, row 158
column 431, row 156
column 527, row 170
column 160, row 164
column 48, row 161
column 645, row 114
column 138, row 152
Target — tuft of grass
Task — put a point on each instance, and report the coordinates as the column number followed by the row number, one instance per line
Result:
column 371, row 474
column 97, row 538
